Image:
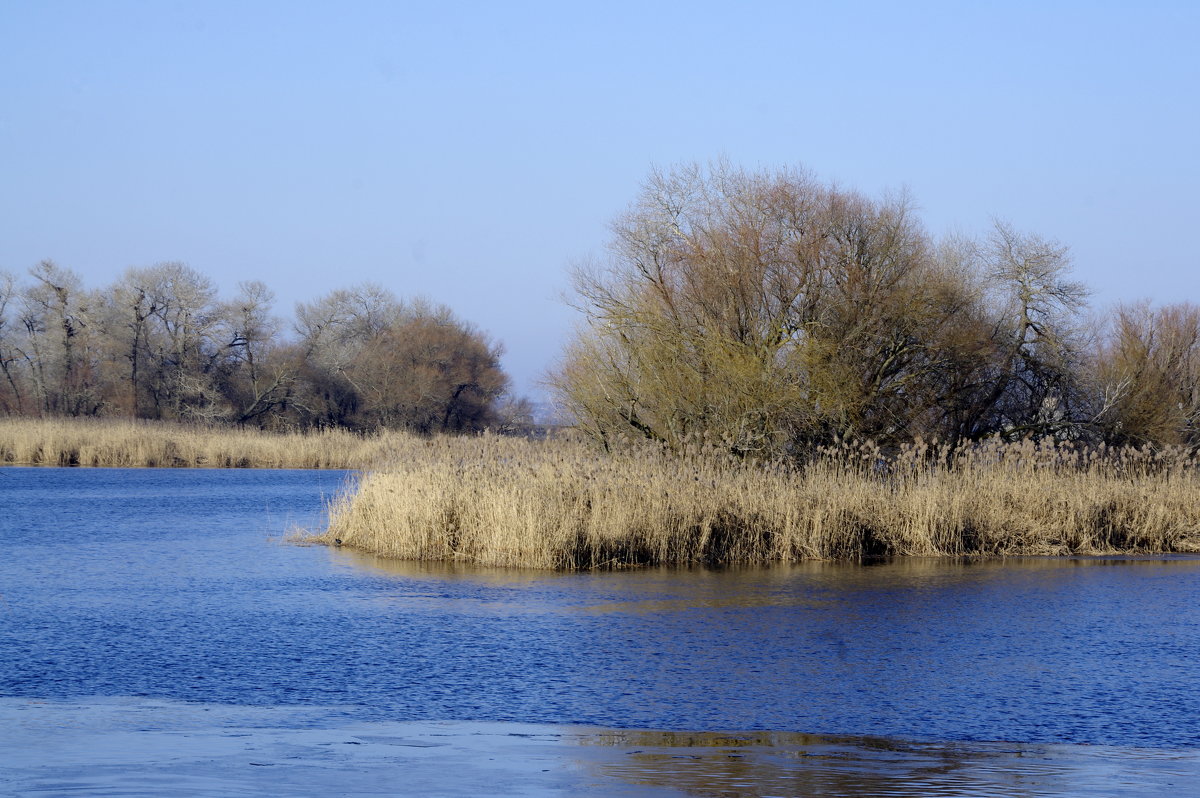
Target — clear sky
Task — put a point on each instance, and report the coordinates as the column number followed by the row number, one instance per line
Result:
column 469, row 152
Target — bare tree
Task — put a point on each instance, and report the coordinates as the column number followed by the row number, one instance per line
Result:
column 11, row 358
column 1148, row 375
column 373, row 361
column 255, row 375
column 132, row 309
column 165, row 319
column 765, row 311
column 58, row 347
column 158, row 344
column 430, row 372
column 334, row 330
column 1036, row 334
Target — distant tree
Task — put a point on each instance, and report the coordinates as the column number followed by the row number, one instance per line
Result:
column 165, row 320
column 131, row 309
column 517, row 415
column 255, row 374
column 11, row 358
column 1021, row 352
column 430, row 372
column 1038, row 388
column 371, row 361
column 58, row 346
column 333, row 331
column 1148, row 375
column 159, row 343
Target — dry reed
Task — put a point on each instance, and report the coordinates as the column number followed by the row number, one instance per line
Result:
column 89, row 442
column 558, row 504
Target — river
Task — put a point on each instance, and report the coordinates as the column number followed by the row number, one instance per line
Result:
column 158, row 635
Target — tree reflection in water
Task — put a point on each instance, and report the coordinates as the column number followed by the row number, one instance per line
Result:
column 766, row 763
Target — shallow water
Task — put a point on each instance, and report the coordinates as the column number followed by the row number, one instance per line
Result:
column 173, row 585
column 144, row 747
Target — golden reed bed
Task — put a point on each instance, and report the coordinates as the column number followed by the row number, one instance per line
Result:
column 113, row 443
column 559, row 504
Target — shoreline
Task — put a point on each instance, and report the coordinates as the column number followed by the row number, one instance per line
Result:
column 123, row 443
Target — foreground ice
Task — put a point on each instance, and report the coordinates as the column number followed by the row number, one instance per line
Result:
column 140, row 747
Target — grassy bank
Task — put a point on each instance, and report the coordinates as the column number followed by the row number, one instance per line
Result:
column 557, row 504
column 83, row 442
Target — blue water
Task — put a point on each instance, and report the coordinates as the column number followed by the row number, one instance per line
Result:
column 174, row 584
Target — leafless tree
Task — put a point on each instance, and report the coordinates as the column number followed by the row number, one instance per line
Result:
column 766, row 311
column 11, row 359
column 1148, row 375
column 58, row 347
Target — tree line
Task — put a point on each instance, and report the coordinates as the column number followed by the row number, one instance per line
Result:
column 160, row 344
column 764, row 311
column 769, row 312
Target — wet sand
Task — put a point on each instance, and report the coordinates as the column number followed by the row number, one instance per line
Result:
column 140, row 747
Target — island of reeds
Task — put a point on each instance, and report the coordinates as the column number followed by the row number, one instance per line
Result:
column 744, row 334
column 563, row 504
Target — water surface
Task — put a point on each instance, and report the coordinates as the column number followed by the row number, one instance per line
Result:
column 151, row 585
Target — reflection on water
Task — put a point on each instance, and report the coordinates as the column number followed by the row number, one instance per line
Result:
column 706, row 764
column 450, row 571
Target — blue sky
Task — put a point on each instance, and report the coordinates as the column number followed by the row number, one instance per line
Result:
column 469, row 152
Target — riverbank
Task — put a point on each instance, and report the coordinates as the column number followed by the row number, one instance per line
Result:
column 160, row 444
column 561, row 505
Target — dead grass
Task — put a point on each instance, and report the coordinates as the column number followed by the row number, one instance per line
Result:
column 86, row 442
column 558, row 504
